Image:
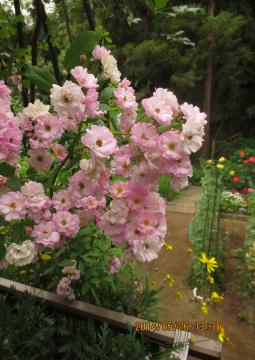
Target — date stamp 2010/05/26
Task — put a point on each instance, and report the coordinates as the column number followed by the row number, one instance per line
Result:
column 214, row 326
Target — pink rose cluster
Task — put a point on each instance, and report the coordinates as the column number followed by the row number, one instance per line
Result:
column 64, row 288
column 10, row 134
column 116, row 183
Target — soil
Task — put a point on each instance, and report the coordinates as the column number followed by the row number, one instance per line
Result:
column 176, row 262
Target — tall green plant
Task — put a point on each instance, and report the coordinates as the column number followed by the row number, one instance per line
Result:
column 205, row 231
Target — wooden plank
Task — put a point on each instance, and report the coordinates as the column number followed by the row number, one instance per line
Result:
column 204, row 348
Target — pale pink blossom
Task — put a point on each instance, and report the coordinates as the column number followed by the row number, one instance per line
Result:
column 170, row 145
column 10, row 138
column 115, row 265
column 62, row 200
column 13, row 206
column 66, row 223
column 83, row 78
column 59, row 151
column 100, row 141
column 72, row 272
column 4, row 92
column 117, row 212
column 48, row 128
column 64, row 289
column 40, row 159
column 144, row 135
column 24, row 122
column 68, row 99
column 3, row 180
column 80, row 185
column 122, row 165
column 158, row 110
column 119, row 189
column 45, row 233
column 99, row 52
column 147, row 249
column 147, row 222
column 168, row 97
column 136, row 198
column 89, row 203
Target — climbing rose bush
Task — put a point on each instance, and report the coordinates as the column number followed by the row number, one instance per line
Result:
column 94, row 155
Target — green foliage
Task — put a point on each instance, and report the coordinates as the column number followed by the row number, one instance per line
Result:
column 205, row 231
column 249, row 251
column 6, row 169
column 128, row 291
column 31, row 330
column 165, row 189
column 39, row 77
column 82, row 45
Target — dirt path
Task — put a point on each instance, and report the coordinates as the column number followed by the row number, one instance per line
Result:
column 176, row 263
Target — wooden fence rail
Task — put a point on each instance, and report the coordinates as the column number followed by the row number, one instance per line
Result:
column 200, row 347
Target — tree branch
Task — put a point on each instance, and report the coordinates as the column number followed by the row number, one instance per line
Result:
column 90, row 14
column 53, row 54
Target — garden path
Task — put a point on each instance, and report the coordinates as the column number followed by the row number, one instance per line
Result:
column 175, row 263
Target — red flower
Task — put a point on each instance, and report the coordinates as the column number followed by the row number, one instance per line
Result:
column 236, row 179
column 251, row 160
column 244, row 190
column 246, row 162
column 241, row 153
column 234, row 191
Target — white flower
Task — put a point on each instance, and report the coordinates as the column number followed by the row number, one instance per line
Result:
column 191, row 136
column 117, row 213
column 110, row 68
column 197, row 297
column 36, row 109
column 147, row 249
column 20, row 255
column 68, row 99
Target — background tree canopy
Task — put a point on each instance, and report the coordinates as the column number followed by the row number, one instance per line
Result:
column 203, row 50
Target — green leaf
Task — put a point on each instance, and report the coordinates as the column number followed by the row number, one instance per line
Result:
column 83, row 44
column 2, row 247
column 160, row 4
column 107, row 93
column 65, row 263
column 6, row 169
column 104, row 107
column 14, row 183
column 17, row 232
column 39, row 77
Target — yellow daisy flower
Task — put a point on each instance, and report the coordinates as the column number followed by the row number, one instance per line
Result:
column 210, row 280
column 210, row 263
column 215, row 297
column 204, row 307
column 170, row 280
column 168, row 246
column 45, row 256
column 220, row 166
column 221, row 159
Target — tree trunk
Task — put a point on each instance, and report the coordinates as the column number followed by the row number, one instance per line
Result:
column 20, row 36
column 205, row 151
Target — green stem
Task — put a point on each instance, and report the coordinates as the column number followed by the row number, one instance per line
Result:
column 60, row 166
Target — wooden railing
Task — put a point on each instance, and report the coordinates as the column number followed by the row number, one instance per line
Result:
column 200, row 347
